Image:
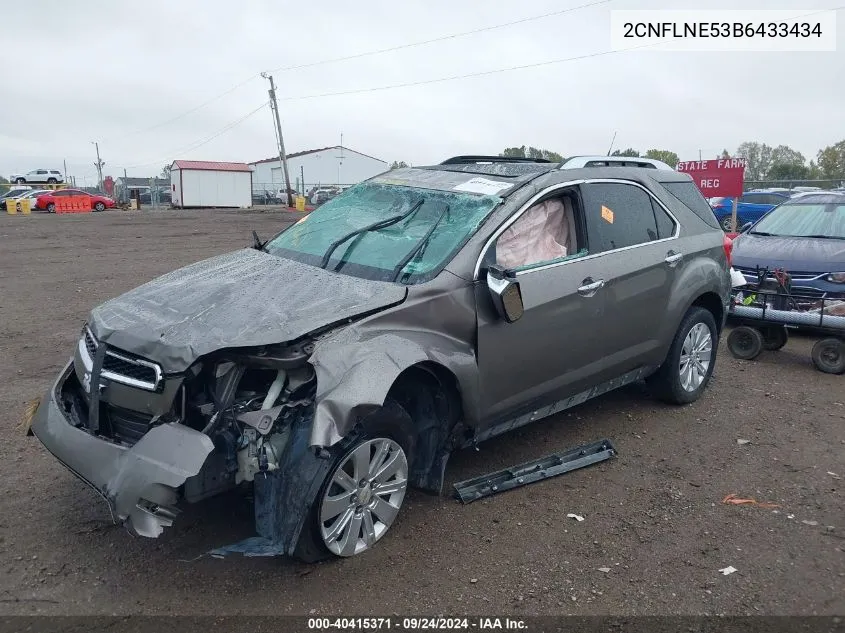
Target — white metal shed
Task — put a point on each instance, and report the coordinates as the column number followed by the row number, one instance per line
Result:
column 200, row 183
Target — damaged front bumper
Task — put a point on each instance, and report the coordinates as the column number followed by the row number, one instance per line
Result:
column 140, row 483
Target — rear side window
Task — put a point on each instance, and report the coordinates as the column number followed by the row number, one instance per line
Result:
column 617, row 215
column 691, row 198
column 665, row 224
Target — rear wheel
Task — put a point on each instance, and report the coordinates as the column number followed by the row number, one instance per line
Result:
column 829, row 356
column 364, row 490
column 775, row 337
column 689, row 364
column 51, row 181
column 745, row 342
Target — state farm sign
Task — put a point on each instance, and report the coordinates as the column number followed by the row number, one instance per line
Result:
column 719, row 177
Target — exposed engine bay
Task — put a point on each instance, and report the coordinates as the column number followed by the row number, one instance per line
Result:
column 247, row 405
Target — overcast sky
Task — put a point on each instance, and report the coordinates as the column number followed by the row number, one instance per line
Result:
column 118, row 71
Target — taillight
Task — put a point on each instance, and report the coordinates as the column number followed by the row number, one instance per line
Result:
column 728, row 245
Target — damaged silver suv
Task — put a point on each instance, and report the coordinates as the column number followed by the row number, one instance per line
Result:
column 421, row 311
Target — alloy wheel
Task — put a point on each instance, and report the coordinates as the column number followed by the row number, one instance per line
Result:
column 696, row 354
column 363, row 496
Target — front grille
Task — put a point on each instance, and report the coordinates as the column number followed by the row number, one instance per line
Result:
column 121, row 367
column 90, row 343
column 127, row 426
column 797, row 275
column 124, row 366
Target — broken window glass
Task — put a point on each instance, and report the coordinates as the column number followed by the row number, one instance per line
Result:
column 376, row 253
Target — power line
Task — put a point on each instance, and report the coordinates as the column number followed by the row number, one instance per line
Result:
column 440, row 39
column 468, row 75
column 186, row 113
column 197, row 144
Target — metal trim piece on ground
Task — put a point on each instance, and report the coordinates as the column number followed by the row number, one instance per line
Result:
column 556, row 464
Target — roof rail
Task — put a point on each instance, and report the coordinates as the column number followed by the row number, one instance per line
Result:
column 476, row 160
column 577, row 162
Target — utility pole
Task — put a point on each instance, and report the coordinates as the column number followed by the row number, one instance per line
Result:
column 99, row 165
column 283, row 158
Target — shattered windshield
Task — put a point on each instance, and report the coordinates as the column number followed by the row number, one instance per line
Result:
column 385, row 232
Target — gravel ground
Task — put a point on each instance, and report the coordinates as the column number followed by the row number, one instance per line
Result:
column 655, row 532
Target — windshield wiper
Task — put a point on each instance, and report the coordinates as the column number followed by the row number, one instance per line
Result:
column 375, row 226
column 762, row 233
column 824, row 237
column 420, row 246
column 257, row 244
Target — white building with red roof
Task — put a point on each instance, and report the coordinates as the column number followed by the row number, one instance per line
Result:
column 201, row 183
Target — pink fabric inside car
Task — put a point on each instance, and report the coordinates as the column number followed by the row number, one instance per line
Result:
column 545, row 232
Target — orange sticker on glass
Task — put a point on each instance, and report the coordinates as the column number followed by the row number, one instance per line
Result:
column 606, row 214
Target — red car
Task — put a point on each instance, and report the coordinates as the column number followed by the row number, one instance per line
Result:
column 48, row 200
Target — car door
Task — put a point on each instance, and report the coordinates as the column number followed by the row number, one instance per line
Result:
column 753, row 206
column 640, row 259
column 552, row 351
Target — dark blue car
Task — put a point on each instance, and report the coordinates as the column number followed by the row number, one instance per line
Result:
column 804, row 236
column 752, row 206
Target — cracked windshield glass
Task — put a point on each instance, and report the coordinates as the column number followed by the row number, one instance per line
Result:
column 385, row 232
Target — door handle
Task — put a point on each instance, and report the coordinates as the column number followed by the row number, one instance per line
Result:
column 589, row 287
column 673, row 258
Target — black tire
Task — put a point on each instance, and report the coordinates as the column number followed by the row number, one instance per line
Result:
column 51, row 208
column 829, row 356
column 52, row 181
column 774, row 337
column 20, row 181
column 665, row 383
column 391, row 421
column 745, row 342
column 99, row 206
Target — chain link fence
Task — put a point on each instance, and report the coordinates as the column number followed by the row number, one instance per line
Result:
column 273, row 193
column 833, row 183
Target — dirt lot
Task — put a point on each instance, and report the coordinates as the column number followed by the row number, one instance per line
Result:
column 654, row 520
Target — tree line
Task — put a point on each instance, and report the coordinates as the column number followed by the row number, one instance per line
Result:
column 763, row 162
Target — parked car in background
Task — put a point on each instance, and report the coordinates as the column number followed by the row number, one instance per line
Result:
column 39, row 176
column 805, row 237
column 30, row 194
column 752, row 206
column 14, row 192
column 47, row 201
column 328, row 370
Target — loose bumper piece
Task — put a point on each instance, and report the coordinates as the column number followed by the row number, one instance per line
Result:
column 543, row 468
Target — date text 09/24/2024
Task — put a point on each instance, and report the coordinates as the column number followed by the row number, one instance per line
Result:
column 416, row 624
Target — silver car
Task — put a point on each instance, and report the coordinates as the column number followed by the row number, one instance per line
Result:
column 419, row 312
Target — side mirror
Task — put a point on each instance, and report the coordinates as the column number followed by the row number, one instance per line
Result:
column 745, row 227
column 504, row 289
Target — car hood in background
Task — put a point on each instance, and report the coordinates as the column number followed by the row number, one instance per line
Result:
column 805, row 254
column 242, row 299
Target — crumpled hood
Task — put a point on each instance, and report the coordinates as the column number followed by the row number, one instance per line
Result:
column 803, row 254
column 241, row 299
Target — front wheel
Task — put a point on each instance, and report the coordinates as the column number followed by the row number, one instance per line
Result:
column 364, row 490
column 20, row 181
column 689, row 364
column 99, row 206
column 829, row 356
column 51, row 208
column 745, row 342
